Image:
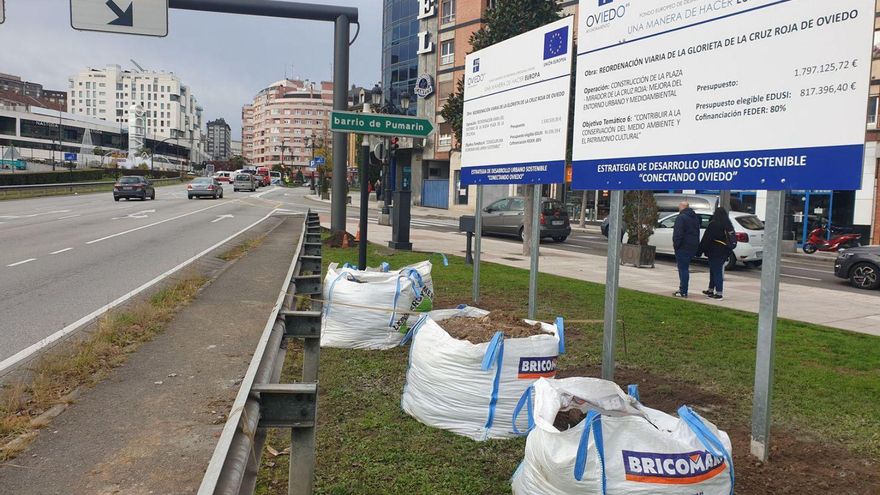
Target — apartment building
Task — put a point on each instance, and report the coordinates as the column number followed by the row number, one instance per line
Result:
column 286, row 122
column 14, row 90
column 170, row 107
column 218, row 145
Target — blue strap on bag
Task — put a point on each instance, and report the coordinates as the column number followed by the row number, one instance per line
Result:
column 524, row 401
column 560, row 332
column 384, row 267
column 330, row 291
column 416, row 290
column 592, row 423
column 494, row 355
column 709, row 440
column 445, row 259
column 412, row 331
column 633, row 391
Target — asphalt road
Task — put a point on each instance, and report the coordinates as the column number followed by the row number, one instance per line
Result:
column 64, row 258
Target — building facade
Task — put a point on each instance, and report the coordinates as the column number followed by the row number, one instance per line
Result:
column 171, row 109
column 286, row 123
column 14, row 89
column 218, row 145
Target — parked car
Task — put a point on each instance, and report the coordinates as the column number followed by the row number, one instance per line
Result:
column 244, row 181
column 275, row 177
column 204, row 187
column 223, row 176
column 133, row 186
column 749, row 236
column 263, row 176
column 506, row 216
column 861, row 265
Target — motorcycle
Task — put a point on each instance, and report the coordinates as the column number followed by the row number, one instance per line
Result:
column 816, row 241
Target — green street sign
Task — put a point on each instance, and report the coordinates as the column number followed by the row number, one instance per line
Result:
column 380, row 124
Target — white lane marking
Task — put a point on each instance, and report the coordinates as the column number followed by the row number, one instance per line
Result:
column 61, row 251
column 27, row 352
column 260, row 194
column 139, row 214
column 221, row 217
column 58, row 211
column 22, row 262
column 802, row 278
column 69, row 216
column 129, row 231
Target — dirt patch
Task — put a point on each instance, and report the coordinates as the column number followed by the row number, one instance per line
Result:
column 482, row 329
column 568, row 419
column 798, row 464
column 340, row 239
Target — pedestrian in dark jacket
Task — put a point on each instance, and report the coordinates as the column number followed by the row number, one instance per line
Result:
column 686, row 242
column 716, row 246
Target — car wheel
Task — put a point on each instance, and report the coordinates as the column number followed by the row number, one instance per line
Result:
column 521, row 233
column 755, row 264
column 809, row 248
column 153, row 196
column 865, row 276
column 731, row 262
column 189, row 196
column 234, row 190
column 115, row 199
column 221, row 194
column 560, row 238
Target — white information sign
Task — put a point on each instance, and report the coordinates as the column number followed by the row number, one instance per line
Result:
column 516, row 108
column 721, row 94
column 145, row 17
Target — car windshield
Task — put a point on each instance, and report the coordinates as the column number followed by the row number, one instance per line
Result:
column 130, row 180
column 750, row 222
column 203, row 180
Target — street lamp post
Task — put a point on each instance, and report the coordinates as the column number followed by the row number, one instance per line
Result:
column 282, row 147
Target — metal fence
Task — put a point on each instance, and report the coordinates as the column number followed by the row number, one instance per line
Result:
column 262, row 402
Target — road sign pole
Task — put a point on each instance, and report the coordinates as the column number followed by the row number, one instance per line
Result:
column 365, row 205
column 340, row 139
column 535, row 243
column 612, row 282
column 478, row 237
column 766, row 346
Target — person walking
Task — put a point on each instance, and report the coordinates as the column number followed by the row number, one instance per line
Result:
column 686, row 242
column 716, row 246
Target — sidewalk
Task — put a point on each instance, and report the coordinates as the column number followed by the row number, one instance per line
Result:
column 151, row 426
column 849, row 311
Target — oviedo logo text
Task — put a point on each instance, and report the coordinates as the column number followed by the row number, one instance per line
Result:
column 537, row 367
column 605, row 16
column 671, row 469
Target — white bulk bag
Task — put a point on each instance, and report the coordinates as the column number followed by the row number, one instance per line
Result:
column 472, row 389
column 366, row 310
column 622, row 447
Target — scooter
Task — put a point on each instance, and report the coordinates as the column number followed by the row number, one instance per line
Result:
column 816, row 241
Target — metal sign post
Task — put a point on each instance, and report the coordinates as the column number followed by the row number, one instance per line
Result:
column 478, row 237
column 365, row 205
column 612, row 284
column 535, row 243
column 769, row 304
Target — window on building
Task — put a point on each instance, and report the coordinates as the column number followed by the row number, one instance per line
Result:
column 447, row 10
column 872, row 110
column 447, row 52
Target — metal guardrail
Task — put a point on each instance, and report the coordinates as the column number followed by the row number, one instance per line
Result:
column 262, row 402
column 72, row 185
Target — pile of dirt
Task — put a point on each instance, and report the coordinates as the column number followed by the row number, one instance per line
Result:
column 340, row 239
column 482, row 329
column 799, row 463
column 568, row 419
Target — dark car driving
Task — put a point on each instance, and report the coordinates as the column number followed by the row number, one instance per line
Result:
column 133, row 186
column 860, row 265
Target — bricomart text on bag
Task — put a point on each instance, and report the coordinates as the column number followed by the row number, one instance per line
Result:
column 671, row 469
column 537, row 367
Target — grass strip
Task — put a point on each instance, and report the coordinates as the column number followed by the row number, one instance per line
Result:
column 241, row 249
column 86, row 361
column 826, row 381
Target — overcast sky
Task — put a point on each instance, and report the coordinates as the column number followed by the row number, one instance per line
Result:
column 225, row 59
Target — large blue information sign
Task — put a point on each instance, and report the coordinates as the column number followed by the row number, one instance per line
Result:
column 721, row 94
column 516, row 108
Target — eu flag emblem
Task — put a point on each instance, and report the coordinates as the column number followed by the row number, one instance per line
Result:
column 556, row 43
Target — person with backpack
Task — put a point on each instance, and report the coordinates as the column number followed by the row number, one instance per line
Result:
column 717, row 243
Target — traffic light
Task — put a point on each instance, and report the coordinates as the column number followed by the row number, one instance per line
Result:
column 395, row 145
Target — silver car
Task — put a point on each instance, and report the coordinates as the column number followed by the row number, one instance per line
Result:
column 506, row 215
column 204, row 187
column 244, row 182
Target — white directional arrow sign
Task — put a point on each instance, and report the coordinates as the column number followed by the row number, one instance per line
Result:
column 221, row 217
column 146, row 17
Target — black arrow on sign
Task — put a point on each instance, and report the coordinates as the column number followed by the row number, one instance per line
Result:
column 123, row 18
